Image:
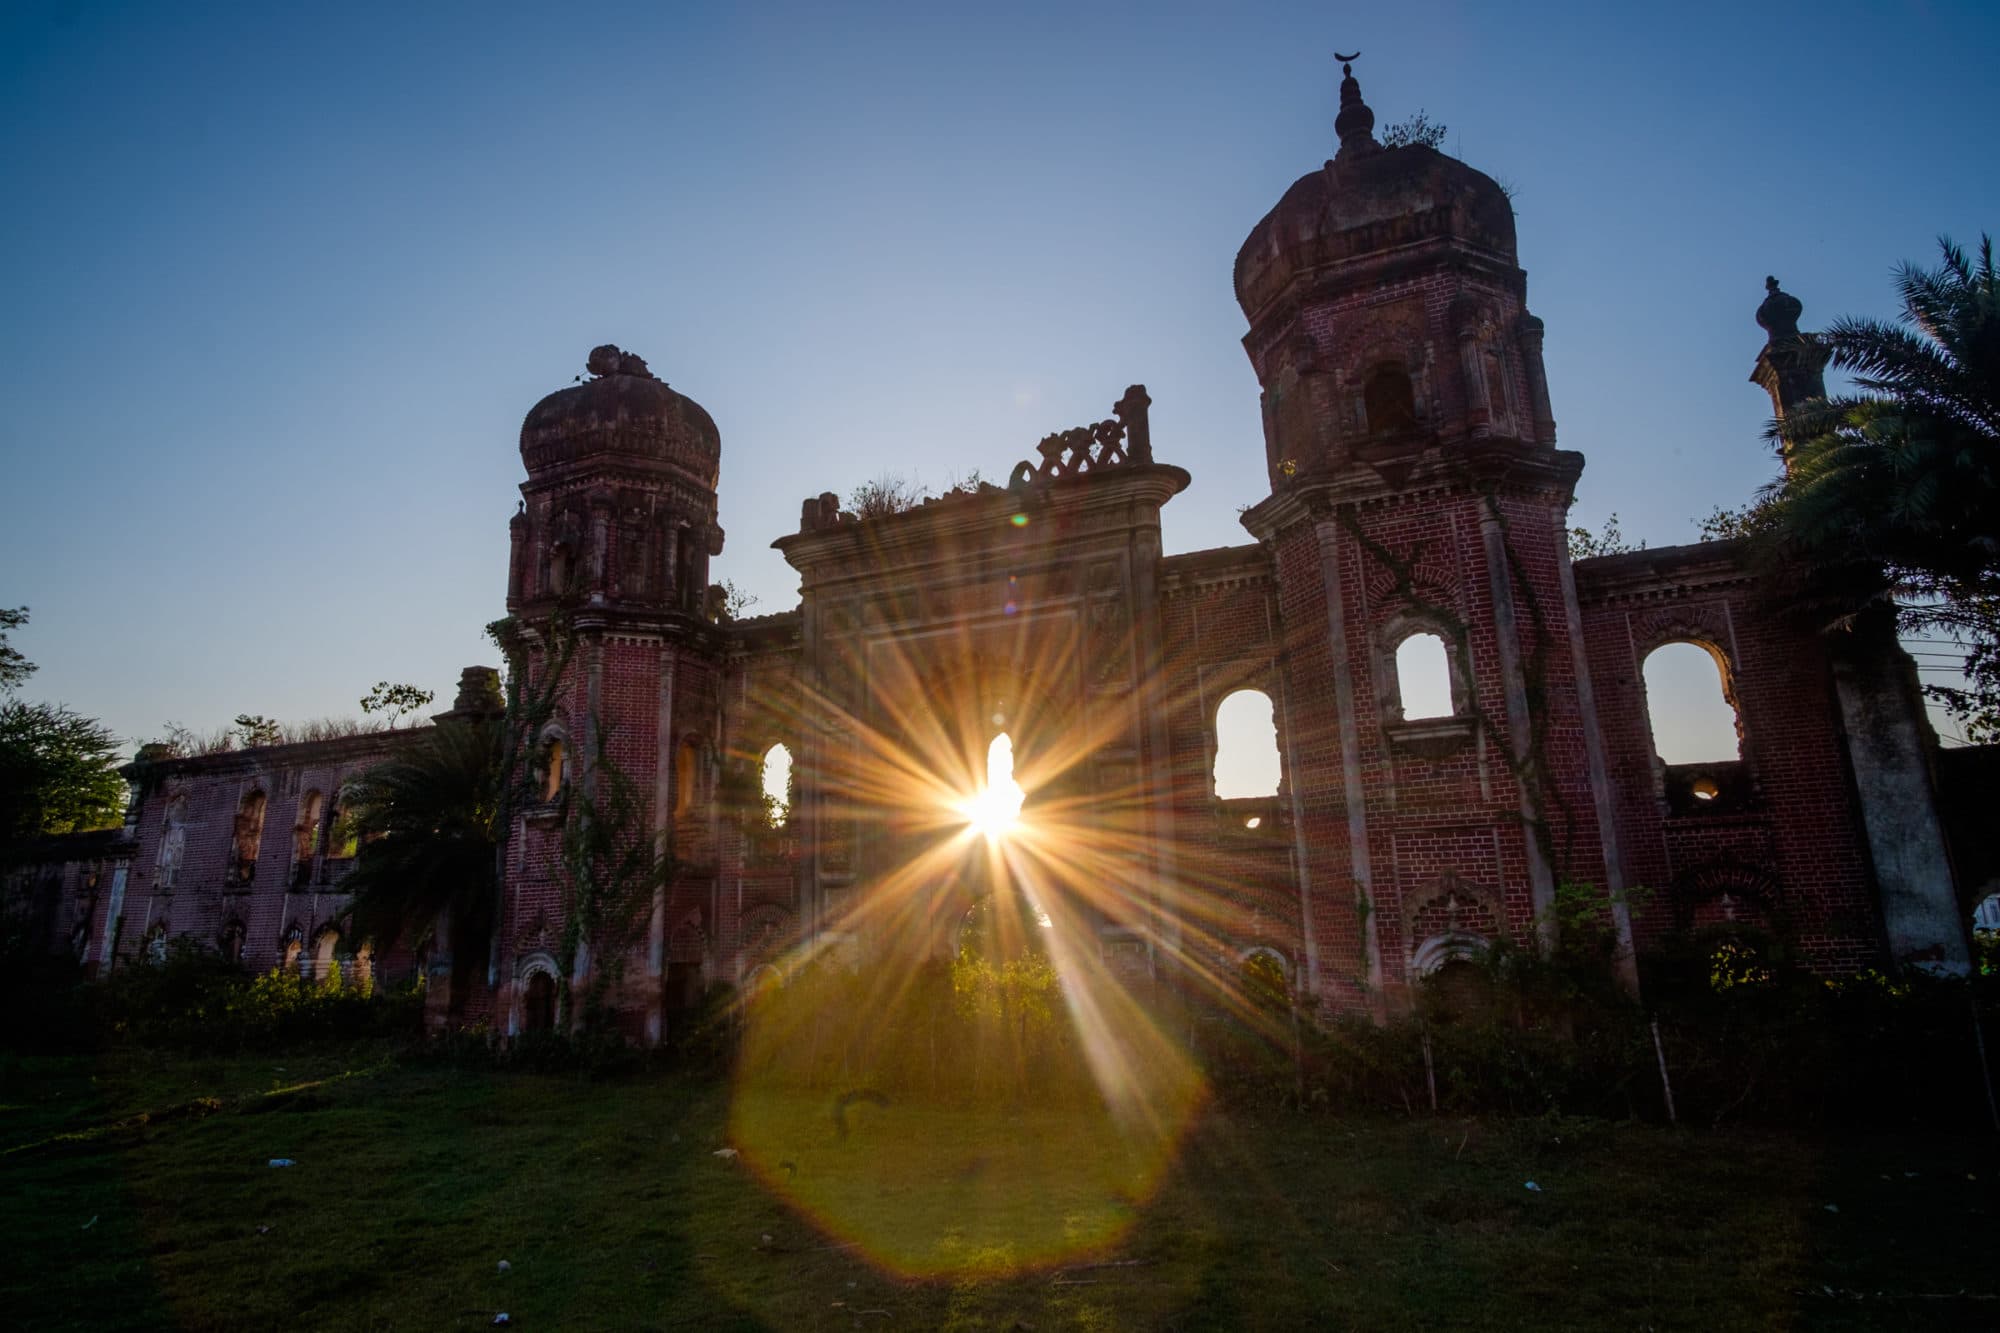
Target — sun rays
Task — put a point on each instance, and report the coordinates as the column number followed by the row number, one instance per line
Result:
column 987, row 766
column 995, row 808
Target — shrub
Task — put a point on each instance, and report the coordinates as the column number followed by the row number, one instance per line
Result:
column 193, row 1000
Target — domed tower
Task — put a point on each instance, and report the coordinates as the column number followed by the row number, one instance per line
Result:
column 619, row 506
column 1387, row 309
column 1418, row 519
column 608, row 586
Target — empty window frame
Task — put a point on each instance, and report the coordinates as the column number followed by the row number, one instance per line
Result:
column 1423, row 677
column 1246, row 746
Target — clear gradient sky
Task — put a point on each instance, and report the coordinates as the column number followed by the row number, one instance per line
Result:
column 280, row 285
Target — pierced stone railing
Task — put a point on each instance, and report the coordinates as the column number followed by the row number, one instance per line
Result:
column 1124, row 437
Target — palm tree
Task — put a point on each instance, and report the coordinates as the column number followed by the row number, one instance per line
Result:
column 1896, row 487
column 430, row 823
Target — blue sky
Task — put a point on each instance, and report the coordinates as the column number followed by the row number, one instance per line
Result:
column 281, row 285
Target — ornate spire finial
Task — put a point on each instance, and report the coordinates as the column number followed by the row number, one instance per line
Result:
column 1779, row 315
column 1356, row 123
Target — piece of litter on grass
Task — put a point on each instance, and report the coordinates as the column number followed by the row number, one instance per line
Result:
column 503, row 1318
column 283, row 1161
column 1533, row 1186
column 264, row 1230
column 504, row 1265
column 727, row 1154
column 1833, row 1208
column 88, row 1225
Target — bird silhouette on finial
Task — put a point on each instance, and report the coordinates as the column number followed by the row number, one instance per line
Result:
column 1356, row 123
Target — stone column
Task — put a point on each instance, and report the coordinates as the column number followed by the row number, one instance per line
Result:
column 1150, row 657
column 1528, row 334
column 1354, row 792
column 663, row 815
column 1520, row 726
column 1889, row 743
column 805, row 810
column 517, row 557
column 1600, row 772
column 1301, row 860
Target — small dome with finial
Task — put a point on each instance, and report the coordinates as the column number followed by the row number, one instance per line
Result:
column 1779, row 314
column 623, row 415
column 1367, row 200
column 1356, row 122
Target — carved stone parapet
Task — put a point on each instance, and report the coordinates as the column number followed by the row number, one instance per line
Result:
column 1125, row 437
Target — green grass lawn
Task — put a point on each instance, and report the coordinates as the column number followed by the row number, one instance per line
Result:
column 135, row 1193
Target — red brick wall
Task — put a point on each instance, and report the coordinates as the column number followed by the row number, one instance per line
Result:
column 1219, row 622
column 1801, row 834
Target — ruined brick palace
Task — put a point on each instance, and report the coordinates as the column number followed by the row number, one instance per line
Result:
column 1418, row 504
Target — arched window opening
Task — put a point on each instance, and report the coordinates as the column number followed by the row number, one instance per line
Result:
column 777, row 785
column 562, row 560
column 288, row 960
column 305, row 833
column 553, row 759
column 687, row 777
column 326, row 959
column 305, row 837
column 341, row 841
column 1246, row 747
column 1390, row 401
column 156, row 944
column 1496, row 385
column 1264, row 980
column 245, row 837
column 231, row 943
column 1003, row 926
column 173, row 844
column 1692, row 719
column 1423, row 678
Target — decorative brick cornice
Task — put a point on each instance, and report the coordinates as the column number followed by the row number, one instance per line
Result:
column 1247, row 566
column 1661, row 573
column 1508, row 467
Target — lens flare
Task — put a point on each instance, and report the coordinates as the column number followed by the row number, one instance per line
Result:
column 949, row 1101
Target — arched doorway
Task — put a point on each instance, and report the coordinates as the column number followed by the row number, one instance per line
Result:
column 538, row 1004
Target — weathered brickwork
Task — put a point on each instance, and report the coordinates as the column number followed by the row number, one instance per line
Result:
column 1789, row 853
column 1416, row 489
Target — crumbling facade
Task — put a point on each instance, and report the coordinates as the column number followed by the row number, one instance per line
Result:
column 1418, row 504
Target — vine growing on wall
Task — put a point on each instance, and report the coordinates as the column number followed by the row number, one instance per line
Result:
column 1546, row 807
column 612, row 866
